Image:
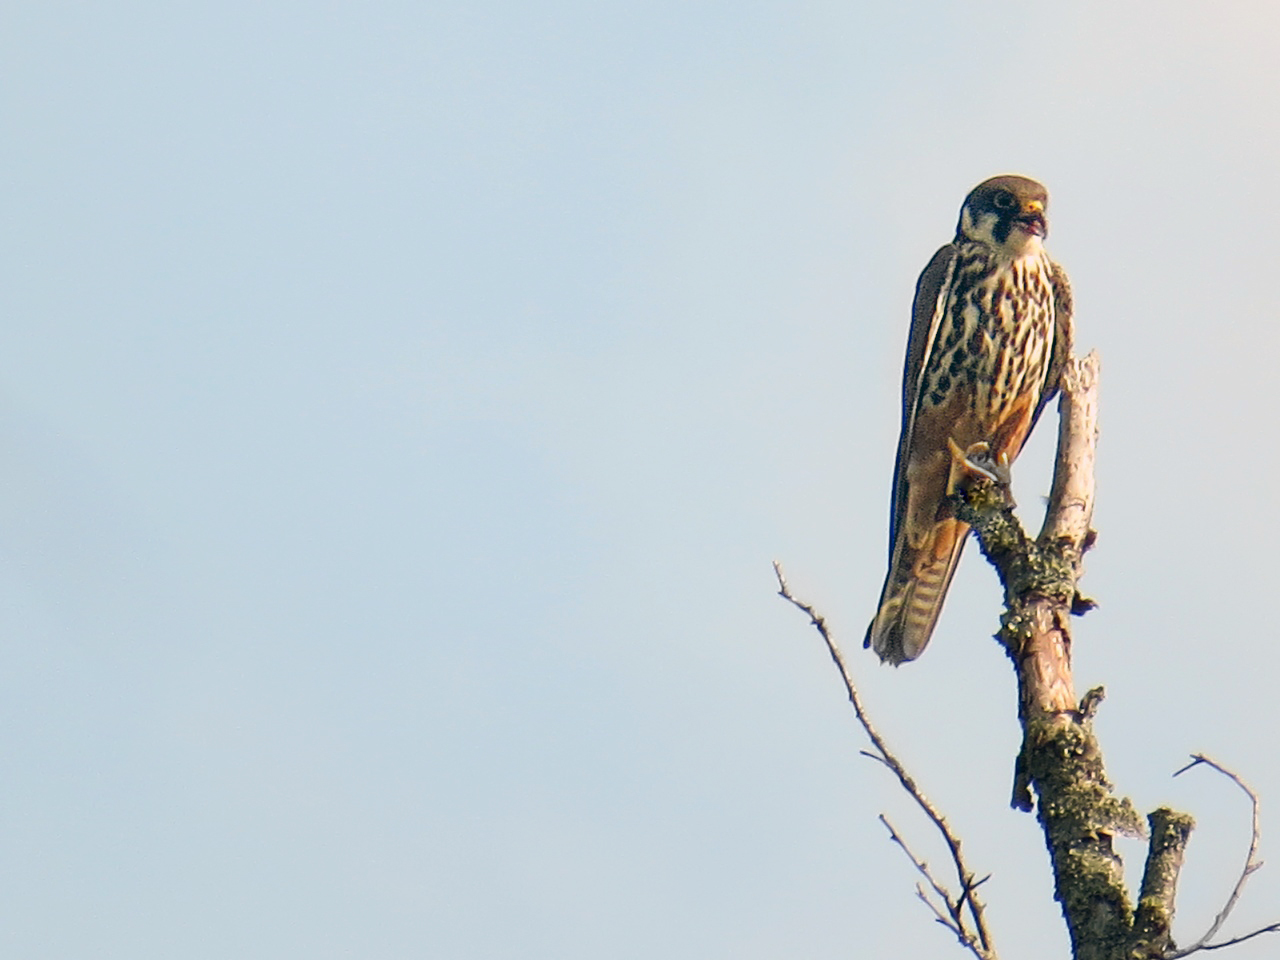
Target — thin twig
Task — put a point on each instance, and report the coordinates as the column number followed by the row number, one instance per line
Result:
column 953, row 919
column 942, row 917
column 1273, row 928
column 981, row 945
column 1251, row 864
column 956, row 922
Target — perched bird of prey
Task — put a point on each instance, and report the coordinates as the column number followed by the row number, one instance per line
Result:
column 990, row 332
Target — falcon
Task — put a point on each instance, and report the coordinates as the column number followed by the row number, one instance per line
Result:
column 990, row 332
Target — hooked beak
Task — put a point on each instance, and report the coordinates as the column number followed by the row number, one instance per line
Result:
column 1031, row 220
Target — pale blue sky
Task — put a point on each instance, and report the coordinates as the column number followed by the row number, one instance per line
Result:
column 401, row 404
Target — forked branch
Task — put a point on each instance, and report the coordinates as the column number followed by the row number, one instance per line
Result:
column 965, row 913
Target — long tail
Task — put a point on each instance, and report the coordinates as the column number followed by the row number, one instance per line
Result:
column 914, row 590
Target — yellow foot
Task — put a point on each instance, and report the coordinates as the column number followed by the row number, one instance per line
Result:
column 976, row 461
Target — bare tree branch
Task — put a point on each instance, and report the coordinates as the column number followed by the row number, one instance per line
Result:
column 941, row 917
column 1070, row 510
column 980, row 940
column 1273, row 928
column 954, row 920
column 1251, row 864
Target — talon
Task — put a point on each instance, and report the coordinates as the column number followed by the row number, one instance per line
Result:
column 975, row 462
column 1003, row 474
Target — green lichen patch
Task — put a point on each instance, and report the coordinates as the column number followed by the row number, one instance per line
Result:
column 1080, row 816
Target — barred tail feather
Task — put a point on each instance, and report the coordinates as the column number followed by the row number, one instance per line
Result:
column 914, row 591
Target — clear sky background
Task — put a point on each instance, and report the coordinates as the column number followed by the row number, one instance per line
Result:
column 401, row 405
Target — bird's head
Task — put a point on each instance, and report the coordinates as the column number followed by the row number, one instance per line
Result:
column 1007, row 214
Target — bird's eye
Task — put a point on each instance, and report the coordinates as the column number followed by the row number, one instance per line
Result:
column 1004, row 201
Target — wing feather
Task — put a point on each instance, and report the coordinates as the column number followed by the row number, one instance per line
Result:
column 1063, row 338
column 926, row 313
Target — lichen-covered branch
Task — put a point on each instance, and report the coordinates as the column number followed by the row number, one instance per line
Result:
column 1060, row 761
column 1153, row 920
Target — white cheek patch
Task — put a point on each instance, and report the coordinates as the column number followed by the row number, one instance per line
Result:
column 980, row 228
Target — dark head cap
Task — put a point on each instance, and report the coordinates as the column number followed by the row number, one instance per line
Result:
column 1006, row 212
